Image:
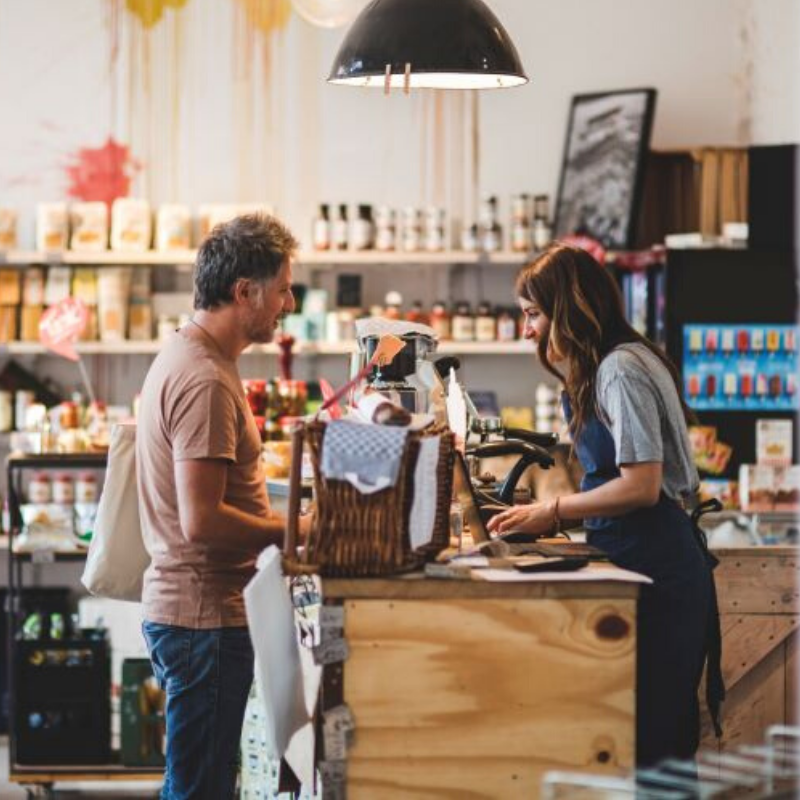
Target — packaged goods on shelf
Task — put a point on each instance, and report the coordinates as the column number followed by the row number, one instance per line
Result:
column 8, row 324
column 112, row 302
column 52, row 226
column 131, row 224
column 89, row 225
column 8, row 228
column 173, row 227
column 768, row 488
column 57, row 284
column 29, row 319
column 10, row 287
column 774, row 440
column 84, row 285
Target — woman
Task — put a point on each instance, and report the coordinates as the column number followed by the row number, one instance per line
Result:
column 623, row 403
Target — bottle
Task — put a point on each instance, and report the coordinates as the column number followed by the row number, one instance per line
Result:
column 542, row 232
column 440, row 320
column 417, row 314
column 363, row 229
column 469, row 238
column 339, row 229
column 394, row 302
column 491, row 233
column 434, row 231
column 485, row 324
column 321, row 229
column 463, row 323
column 520, row 224
column 506, row 326
column 385, row 229
column 411, row 230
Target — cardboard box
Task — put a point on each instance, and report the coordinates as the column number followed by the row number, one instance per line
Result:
column 774, row 442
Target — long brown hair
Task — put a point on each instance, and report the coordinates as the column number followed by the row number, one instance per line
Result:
column 587, row 321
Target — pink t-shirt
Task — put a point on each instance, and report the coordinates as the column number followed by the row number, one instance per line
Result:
column 193, row 406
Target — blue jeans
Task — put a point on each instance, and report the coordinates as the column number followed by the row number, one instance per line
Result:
column 207, row 676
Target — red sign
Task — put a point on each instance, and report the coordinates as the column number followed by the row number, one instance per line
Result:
column 61, row 326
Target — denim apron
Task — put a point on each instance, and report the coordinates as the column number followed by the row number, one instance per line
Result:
column 676, row 613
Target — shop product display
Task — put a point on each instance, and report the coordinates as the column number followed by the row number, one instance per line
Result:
column 52, row 226
column 173, row 227
column 741, row 367
column 8, row 228
column 131, row 224
column 88, row 226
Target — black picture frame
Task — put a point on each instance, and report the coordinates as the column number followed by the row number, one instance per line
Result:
column 602, row 172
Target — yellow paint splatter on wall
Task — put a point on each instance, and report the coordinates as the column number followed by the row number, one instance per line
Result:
column 267, row 15
column 151, row 11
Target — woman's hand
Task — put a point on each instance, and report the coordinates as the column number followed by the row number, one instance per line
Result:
column 533, row 518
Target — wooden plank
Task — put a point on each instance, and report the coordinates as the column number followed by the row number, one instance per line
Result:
column 792, row 680
column 418, row 587
column 758, row 583
column 755, row 703
column 750, row 639
column 478, row 698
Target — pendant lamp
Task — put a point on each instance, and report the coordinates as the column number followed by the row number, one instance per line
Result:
column 427, row 44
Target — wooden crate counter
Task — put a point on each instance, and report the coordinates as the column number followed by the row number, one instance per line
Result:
column 758, row 602
column 465, row 689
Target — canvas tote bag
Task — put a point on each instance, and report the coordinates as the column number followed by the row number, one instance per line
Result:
column 117, row 557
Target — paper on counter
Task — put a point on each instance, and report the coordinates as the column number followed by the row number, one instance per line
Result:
column 270, row 618
column 423, row 509
column 591, row 572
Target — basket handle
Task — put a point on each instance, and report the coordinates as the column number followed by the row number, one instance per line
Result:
column 295, row 490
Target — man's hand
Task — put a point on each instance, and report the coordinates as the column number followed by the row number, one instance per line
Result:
column 533, row 518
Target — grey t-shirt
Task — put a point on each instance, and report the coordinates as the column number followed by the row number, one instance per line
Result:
column 641, row 408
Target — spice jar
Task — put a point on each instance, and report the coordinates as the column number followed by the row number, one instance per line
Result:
column 39, row 488
column 506, row 326
column 463, row 323
column 485, row 324
column 63, row 489
column 86, row 490
column 293, row 396
column 440, row 320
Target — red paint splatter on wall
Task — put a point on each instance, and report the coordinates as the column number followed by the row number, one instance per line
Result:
column 101, row 173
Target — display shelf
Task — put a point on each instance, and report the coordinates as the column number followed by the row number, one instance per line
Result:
column 305, row 257
column 518, row 347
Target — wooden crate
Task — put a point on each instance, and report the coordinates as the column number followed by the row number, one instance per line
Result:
column 758, row 596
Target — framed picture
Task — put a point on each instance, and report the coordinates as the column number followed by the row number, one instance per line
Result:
column 601, row 176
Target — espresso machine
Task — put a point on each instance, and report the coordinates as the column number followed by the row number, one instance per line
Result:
column 410, row 377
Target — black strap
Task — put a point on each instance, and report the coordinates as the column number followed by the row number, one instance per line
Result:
column 715, row 686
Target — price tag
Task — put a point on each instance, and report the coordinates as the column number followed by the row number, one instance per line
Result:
column 43, row 556
column 334, row 775
column 331, row 652
column 331, row 617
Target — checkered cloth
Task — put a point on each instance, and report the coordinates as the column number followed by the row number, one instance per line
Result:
column 366, row 456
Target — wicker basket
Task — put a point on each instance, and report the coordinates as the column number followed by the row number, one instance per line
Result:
column 366, row 535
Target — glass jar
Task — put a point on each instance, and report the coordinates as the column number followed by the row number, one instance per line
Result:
column 293, row 396
column 86, row 489
column 63, row 489
column 440, row 321
column 506, row 326
column 39, row 488
column 485, row 324
column 256, row 392
column 68, row 415
column 463, row 323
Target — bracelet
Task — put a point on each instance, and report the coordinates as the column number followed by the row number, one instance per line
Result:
column 556, row 518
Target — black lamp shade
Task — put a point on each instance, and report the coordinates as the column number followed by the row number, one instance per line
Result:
column 443, row 44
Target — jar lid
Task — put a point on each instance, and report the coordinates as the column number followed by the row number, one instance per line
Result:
column 64, row 477
column 41, row 476
column 87, row 476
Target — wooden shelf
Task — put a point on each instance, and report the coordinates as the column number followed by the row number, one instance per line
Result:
column 306, row 258
column 309, row 349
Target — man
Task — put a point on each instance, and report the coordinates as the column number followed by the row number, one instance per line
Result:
column 204, row 507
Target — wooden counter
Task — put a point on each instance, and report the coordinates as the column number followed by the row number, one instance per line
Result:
column 758, row 602
column 464, row 689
